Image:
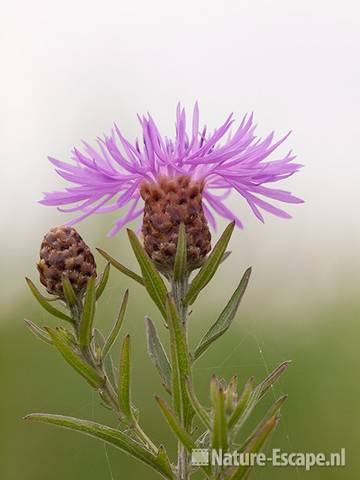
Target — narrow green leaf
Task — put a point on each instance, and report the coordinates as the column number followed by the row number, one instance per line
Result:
column 110, row 435
column 87, row 317
column 225, row 319
column 255, row 445
column 157, row 354
column 69, row 293
column 154, row 284
column 124, row 380
column 39, row 332
column 118, row 324
column 120, row 267
column 274, row 410
column 181, row 254
column 181, row 434
column 264, row 386
column 103, row 281
column 207, row 271
column 44, row 303
column 242, row 403
column 108, row 363
column 219, row 430
column 73, row 358
column 163, row 460
column 180, row 362
column 198, row 408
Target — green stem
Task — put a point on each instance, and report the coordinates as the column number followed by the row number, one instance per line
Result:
column 179, row 289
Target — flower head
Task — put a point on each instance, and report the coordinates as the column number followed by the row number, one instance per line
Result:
column 64, row 253
column 110, row 177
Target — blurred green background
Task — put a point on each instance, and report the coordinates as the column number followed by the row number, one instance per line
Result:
column 69, row 70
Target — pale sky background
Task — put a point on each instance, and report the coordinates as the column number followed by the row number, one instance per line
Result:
column 70, row 69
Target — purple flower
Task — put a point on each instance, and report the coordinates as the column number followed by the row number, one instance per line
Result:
column 108, row 178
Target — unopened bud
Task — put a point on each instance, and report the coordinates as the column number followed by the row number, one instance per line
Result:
column 64, row 253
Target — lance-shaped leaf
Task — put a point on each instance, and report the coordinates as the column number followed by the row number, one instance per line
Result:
column 157, row 354
column 39, row 332
column 181, row 254
column 225, row 319
column 242, row 403
column 180, row 362
column 181, row 434
column 110, row 435
column 74, row 358
column 264, row 386
column 219, row 430
column 108, row 363
column 126, row 271
column 274, row 410
column 45, row 303
column 124, row 397
column 198, row 408
column 117, row 326
column 87, row 317
column 163, row 460
column 69, row 293
column 207, row 271
column 256, row 395
column 154, row 284
column 103, row 281
column 254, row 446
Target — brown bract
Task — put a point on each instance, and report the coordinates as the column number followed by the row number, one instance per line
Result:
column 169, row 202
column 64, row 252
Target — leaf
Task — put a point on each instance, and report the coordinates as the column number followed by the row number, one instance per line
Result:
column 242, row 403
column 257, row 394
column 154, row 284
column 207, row 271
column 219, row 430
column 87, row 317
column 255, row 445
column 274, row 410
column 110, row 435
column 103, row 281
column 44, row 303
column 121, row 267
column 69, row 293
column 39, row 332
column 180, row 364
column 108, row 363
column 225, row 319
column 116, row 328
column 181, row 254
column 182, row 435
column 163, row 460
column 124, row 380
column 272, row 378
column 74, row 359
column 157, row 354
column 198, row 408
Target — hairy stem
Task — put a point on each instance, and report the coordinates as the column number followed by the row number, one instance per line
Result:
column 179, row 289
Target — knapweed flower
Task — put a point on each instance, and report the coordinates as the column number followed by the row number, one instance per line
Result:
column 118, row 174
column 64, row 253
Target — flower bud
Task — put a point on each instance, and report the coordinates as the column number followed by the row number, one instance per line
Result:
column 64, row 252
column 169, row 202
